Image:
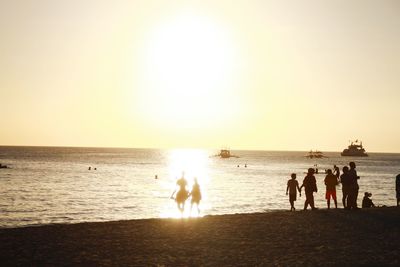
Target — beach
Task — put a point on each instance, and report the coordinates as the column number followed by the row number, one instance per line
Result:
column 367, row 237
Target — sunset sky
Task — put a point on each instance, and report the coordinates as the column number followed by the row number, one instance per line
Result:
column 267, row 75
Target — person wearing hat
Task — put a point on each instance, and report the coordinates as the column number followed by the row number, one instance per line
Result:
column 367, row 202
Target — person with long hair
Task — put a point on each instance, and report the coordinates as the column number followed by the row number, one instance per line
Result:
column 196, row 196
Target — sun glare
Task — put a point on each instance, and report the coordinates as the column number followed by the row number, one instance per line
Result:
column 189, row 66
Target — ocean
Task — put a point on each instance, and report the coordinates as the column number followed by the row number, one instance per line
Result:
column 45, row 185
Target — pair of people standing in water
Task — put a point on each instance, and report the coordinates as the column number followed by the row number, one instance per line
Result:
column 183, row 194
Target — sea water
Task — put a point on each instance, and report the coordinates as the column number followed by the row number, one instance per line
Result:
column 46, row 185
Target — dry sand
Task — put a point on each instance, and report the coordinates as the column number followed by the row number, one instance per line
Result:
column 311, row 238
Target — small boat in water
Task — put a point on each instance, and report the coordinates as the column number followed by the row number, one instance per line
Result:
column 315, row 154
column 225, row 153
column 355, row 149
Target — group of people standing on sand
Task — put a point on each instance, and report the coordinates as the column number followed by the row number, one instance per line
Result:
column 182, row 194
column 350, row 187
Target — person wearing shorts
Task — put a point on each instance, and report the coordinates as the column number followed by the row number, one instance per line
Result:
column 331, row 183
column 292, row 187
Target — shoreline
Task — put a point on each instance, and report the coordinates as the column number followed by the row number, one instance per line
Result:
column 366, row 237
column 35, row 225
column 266, row 211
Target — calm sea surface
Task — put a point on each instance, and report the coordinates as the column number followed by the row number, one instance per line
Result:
column 53, row 185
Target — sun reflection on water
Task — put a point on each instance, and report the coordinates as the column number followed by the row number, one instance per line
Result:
column 192, row 163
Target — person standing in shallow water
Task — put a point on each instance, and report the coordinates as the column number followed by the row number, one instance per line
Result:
column 196, row 196
column 353, row 187
column 182, row 194
column 292, row 187
column 344, row 179
column 398, row 189
column 310, row 186
column 331, row 183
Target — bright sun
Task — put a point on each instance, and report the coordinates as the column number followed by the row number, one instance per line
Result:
column 188, row 73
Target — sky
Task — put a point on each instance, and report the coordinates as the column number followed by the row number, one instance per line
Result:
column 264, row 75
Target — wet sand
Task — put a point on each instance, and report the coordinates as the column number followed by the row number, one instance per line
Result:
column 311, row 238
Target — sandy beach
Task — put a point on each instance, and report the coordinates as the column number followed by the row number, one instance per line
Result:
column 311, row 238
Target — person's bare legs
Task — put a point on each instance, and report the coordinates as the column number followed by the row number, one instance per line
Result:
column 181, row 207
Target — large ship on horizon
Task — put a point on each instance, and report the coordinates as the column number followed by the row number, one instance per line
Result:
column 355, row 149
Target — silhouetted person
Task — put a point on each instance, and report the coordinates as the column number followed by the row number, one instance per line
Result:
column 398, row 189
column 196, row 196
column 331, row 183
column 89, row 168
column 95, row 169
column 367, row 202
column 292, row 187
column 156, row 177
column 344, row 179
column 353, row 188
column 336, row 171
column 182, row 194
column 310, row 186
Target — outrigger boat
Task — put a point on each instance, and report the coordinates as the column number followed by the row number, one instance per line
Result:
column 315, row 154
column 225, row 153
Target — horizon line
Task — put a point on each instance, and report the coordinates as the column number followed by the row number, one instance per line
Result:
column 155, row 148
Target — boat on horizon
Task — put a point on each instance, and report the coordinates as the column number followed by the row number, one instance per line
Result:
column 225, row 153
column 355, row 149
column 315, row 154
